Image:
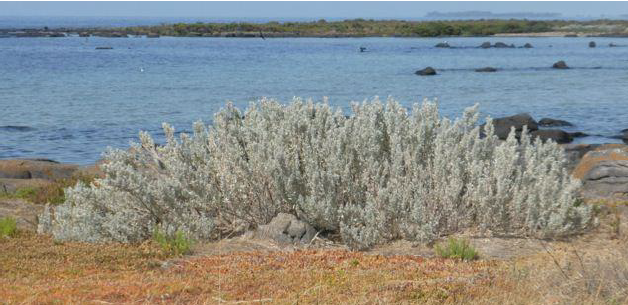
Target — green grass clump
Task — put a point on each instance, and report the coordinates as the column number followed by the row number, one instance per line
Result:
column 176, row 244
column 25, row 192
column 8, row 227
column 456, row 248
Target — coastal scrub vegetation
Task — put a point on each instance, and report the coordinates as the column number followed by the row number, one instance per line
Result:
column 363, row 27
column 381, row 174
column 456, row 248
column 8, row 227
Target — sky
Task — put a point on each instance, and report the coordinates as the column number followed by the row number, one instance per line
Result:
column 289, row 9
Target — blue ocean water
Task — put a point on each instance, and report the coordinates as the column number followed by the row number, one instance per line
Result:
column 62, row 99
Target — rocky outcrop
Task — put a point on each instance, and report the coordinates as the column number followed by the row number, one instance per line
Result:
column 604, row 172
column 547, row 122
column 485, row 45
column 36, row 169
column 560, row 65
column 442, row 45
column 502, row 45
column 556, row 135
column 486, row 69
column 426, row 71
column 503, row 125
column 527, row 45
column 592, row 44
column 285, row 229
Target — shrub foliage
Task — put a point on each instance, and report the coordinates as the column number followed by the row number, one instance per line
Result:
column 382, row 173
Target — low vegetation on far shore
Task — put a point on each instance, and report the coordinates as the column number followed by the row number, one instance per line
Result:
column 362, row 27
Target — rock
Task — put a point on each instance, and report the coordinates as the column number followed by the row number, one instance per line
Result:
column 485, row 45
column 556, row 135
column 527, row 45
column 571, row 35
column 560, row 65
column 442, row 45
column 84, row 34
column 612, row 45
column 578, row 134
column 486, row 69
column 33, row 169
column 502, row 45
column 502, row 125
column 10, row 185
column 575, row 152
column 426, row 71
column 104, row 48
column 553, row 122
column 604, row 172
column 286, row 229
column 592, row 44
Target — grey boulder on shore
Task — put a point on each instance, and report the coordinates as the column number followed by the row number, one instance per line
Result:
column 553, row 122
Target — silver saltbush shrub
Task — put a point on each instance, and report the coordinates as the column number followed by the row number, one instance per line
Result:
column 378, row 175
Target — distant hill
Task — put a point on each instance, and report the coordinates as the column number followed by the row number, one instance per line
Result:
column 491, row 15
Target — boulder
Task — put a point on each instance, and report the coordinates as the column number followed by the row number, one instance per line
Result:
column 104, row 48
column 486, row 69
column 286, row 229
column 575, row 152
column 426, row 71
column 503, row 125
column 578, row 134
column 553, row 122
column 560, row 65
column 604, row 172
column 612, row 45
column 442, row 45
column 502, row 45
column 556, row 135
column 35, row 169
column 485, row 45
column 527, row 45
column 592, row 44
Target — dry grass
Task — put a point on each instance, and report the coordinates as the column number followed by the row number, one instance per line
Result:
column 36, row 270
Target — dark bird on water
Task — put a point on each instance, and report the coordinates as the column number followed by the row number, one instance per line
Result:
column 362, row 49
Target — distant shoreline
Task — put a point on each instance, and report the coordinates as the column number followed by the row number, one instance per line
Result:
column 354, row 28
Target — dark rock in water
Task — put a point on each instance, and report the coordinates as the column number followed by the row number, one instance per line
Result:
column 16, row 128
column 502, row 45
column 571, row 35
column 426, row 71
column 527, row 45
column 104, row 48
column 612, row 45
column 486, row 69
column 503, row 125
column 560, row 65
column 555, row 135
column 604, row 172
column 485, row 45
column 286, row 229
column 578, row 134
column 624, row 134
column 84, row 34
column 592, row 44
column 553, row 122
column 442, row 45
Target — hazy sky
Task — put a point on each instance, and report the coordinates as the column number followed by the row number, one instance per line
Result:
column 300, row 9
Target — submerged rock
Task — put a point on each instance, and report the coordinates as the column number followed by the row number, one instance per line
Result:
column 485, row 45
column 442, row 45
column 486, row 69
column 527, row 45
column 426, row 71
column 592, row 44
column 553, row 122
column 560, row 65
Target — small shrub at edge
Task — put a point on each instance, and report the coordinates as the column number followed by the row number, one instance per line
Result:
column 8, row 227
column 456, row 248
column 176, row 244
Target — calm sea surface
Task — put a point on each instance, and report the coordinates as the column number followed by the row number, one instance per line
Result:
column 62, row 99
